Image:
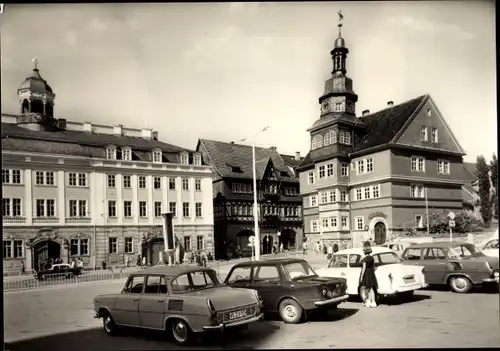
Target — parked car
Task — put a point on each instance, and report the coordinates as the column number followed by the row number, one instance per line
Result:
column 289, row 286
column 397, row 247
column 490, row 246
column 181, row 300
column 459, row 265
column 58, row 270
column 393, row 277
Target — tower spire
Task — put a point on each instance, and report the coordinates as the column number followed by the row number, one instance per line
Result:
column 35, row 63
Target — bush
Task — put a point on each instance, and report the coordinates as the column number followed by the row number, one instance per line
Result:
column 465, row 222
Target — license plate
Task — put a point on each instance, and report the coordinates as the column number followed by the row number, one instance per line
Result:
column 237, row 314
column 409, row 280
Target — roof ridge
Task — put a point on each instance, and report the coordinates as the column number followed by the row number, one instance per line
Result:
column 394, row 106
column 235, row 144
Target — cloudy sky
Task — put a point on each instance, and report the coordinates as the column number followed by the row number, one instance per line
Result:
column 223, row 71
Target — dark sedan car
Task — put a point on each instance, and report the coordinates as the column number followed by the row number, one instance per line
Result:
column 289, row 286
column 59, row 270
column 459, row 265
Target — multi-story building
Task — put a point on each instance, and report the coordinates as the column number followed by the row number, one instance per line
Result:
column 279, row 203
column 95, row 192
column 370, row 175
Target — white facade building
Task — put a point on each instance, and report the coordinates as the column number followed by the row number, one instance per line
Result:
column 95, row 192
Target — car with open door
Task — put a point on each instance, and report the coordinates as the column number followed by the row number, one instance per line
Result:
column 458, row 265
column 393, row 277
column 288, row 286
column 181, row 300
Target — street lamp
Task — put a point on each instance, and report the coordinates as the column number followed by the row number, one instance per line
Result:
column 255, row 207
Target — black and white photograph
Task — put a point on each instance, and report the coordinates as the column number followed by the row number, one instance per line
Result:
column 249, row 175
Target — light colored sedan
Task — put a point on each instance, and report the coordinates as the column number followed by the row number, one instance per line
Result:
column 181, row 300
column 490, row 247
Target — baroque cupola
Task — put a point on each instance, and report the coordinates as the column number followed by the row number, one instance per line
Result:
column 35, row 95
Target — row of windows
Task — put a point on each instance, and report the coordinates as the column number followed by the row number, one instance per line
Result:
column 129, row 244
column 329, row 197
column 363, row 166
column 424, row 135
column 127, row 182
column 81, row 180
column 326, row 171
column 13, row 249
column 368, row 192
column 247, row 210
column 333, row 222
column 125, row 154
column 143, row 209
column 242, row 188
column 418, row 165
column 330, row 137
column 78, row 208
column 330, row 222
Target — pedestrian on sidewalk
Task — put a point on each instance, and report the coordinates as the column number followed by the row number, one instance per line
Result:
column 304, row 248
column 367, row 279
column 144, row 262
column 22, row 268
column 127, row 261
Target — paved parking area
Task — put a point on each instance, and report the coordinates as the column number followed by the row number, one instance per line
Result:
column 61, row 318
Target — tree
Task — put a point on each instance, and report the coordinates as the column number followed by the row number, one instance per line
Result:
column 494, row 182
column 465, row 222
column 484, row 189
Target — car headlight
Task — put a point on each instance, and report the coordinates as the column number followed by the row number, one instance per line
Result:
column 324, row 292
column 495, row 274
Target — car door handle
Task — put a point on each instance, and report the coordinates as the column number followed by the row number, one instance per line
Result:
column 135, row 299
column 161, row 300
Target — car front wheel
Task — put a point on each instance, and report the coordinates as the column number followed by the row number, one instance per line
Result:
column 109, row 324
column 290, row 311
column 181, row 332
column 461, row 285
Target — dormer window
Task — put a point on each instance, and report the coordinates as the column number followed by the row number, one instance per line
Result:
column 126, row 153
column 184, row 158
column 111, row 153
column 197, row 160
column 157, row 156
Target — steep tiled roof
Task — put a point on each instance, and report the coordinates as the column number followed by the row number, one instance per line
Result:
column 382, row 126
column 385, row 124
column 290, row 160
column 225, row 156
column 470, row 171
column 78, row 143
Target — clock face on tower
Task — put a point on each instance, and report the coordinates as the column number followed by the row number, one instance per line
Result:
column 325, row 106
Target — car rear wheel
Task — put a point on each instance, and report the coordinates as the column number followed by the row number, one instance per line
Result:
column 290, row 311
column 460, row 284
column 109, row 324
column 181, row 332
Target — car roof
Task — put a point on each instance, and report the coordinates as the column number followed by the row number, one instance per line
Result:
column 359, row 250
column 173, row 270
column 270, row 262
column 441, row 244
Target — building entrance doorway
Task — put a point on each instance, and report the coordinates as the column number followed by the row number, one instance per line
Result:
column 267, row 245
column 380, row 233
column 45, row 250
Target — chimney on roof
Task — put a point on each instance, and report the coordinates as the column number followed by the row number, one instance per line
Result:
column 297, row 156
column 232, row 143
column 272, row 148
column 117, row 130
column 155, row 135
column 87, row 127
column 147, row 134
column 365, row 112
column 390, row 103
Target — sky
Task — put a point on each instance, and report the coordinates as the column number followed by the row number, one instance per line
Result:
column 224, row 71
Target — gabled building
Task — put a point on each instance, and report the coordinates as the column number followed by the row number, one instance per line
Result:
column 368, row 175
column 92, row 191
column 279, row 203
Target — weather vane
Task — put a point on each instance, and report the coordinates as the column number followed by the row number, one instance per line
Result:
column 341, row 17
column 35, row 62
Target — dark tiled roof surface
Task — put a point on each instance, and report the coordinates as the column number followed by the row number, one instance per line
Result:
column 223, row 154
column 82, row 143
column 384, row 125
column 470, row 171
column 290, row 160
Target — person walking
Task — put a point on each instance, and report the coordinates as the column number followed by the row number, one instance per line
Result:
column 367, row 279
column 144, row 262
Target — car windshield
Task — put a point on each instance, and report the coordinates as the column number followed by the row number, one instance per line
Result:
column 463, row 251
column 300, row 270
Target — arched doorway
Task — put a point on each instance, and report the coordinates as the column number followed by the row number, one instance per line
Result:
column 267, row 244
column 380, row 233
column 288, row 238
column 45, row 250
column 242, row 241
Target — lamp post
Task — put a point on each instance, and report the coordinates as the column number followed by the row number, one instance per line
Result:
column 255, row 207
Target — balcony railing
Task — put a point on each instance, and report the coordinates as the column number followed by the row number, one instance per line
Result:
column 78, row 220
column 14, row 220
column 43, row 220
